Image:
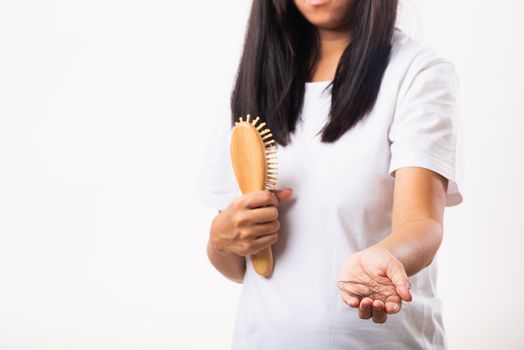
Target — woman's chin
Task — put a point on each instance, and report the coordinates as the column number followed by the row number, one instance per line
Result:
column 323, row 22
column 325, row 14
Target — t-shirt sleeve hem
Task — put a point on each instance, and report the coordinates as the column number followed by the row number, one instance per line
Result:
column 414, row 159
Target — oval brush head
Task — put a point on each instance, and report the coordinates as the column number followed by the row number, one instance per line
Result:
column 253, row 155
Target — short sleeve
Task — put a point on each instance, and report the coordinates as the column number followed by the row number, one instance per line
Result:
column 215, row 185
column 426, row 130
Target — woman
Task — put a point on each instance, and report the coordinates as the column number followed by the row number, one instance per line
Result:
column 368, row 142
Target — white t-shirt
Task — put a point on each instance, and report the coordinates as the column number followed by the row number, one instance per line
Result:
column 342, row 203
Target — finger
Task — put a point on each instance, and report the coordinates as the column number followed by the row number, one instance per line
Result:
column 260, row 199
column 378, row 313
column 354, row 302
column 392, row 307
column 364, row 310
column 260, row 230
column 349, row 300
column 397, row 274
column 404, row 292
column 283, row 195
column 263, row 242
column 263, row 214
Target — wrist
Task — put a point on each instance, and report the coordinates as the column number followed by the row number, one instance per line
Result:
column 392, row 246
column 382, row 248
column 214, row 241
column 216, row 248
column 391, row 252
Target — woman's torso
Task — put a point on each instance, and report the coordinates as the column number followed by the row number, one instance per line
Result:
column 342, row 203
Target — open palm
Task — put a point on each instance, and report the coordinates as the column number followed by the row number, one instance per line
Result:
column 375, row 282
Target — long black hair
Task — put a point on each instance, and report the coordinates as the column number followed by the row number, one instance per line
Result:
column 281, row 49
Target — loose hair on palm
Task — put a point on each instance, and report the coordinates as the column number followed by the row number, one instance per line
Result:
column 281, row 49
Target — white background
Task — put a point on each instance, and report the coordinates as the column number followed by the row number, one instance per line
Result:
column 105, row 109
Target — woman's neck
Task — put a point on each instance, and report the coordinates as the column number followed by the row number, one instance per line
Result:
column 332, row 45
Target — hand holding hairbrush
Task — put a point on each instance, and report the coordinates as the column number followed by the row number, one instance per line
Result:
column 253, row 155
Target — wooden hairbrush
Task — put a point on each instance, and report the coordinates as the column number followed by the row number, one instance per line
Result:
column 253, row 155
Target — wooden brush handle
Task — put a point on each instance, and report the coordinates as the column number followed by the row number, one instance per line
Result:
column 248, row 154
column 263, row 262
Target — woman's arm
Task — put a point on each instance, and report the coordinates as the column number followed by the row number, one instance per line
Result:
column 231, row 265
column 418, row 211
column 375, row 279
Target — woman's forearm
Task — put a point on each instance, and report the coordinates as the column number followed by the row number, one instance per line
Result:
column 414, row 243
column 230, row 265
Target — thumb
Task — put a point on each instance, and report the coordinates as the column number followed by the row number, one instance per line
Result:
column 283, row 195
column 397, row 274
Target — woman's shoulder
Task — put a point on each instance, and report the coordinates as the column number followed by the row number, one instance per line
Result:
column 411, row 58
column 409, row 54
